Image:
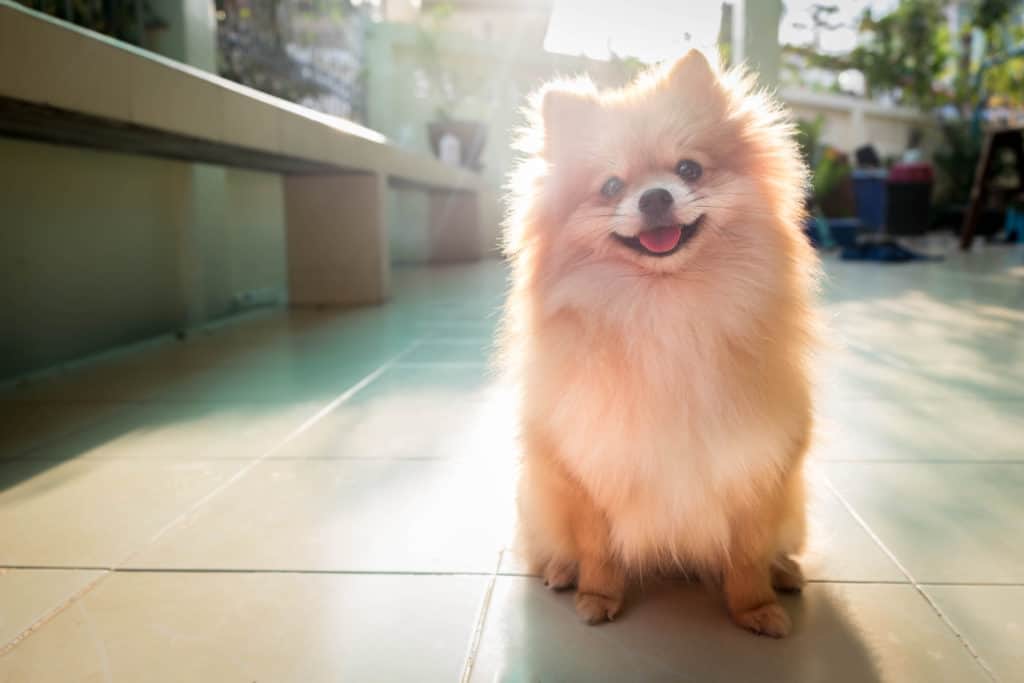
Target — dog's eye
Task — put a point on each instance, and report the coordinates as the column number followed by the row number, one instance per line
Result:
column 612, row 187
column 689, row 170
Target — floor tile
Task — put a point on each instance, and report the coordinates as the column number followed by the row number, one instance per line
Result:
column 453, row 350
column 678, row 632
column 28, row 595
column 30, row 424
column 944, row 522
column 110, row 380
column 922, row 429
column 277, row 356
column 282, row 376
column 849, row 376
column 406, row 488
column 347, row 515
column 124, row 375
column 991, row 619
column 183, row 431
column 473, row 329
column 92, row 513
column 256, row 627
column 427, row 411
column 838, row 547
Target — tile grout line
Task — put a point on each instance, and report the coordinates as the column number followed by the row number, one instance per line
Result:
column 28, row 456
column 46, row 616
column 246, row 570
column 207, row 458
column 443, row 365
column 295, row 433
column 481, row 618
column 289, row 438
column 913, row 582
column 921, row 461
column 427, row 572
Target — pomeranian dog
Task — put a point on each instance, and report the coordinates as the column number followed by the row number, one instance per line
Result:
column 658, row 329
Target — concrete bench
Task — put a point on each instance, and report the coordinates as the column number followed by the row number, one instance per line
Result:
column 62, row 84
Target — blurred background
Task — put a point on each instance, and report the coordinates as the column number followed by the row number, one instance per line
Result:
column 912, row 83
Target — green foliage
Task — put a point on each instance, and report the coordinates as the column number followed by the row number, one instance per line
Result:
column 808, row 137
column 902, row 53
column 906, row 52
column 829, row 172
column 724, row 42
column 116, row 18
column 990, row 13
column 998, row 80
column 252, row 51
column 618, row 71
column 453, row 79
column 957, row 158
column 1003, row 80
column 827, row 166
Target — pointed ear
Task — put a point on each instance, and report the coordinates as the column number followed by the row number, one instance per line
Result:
column 567, row 113
column 690, row 70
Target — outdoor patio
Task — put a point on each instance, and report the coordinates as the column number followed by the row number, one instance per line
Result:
column 325, row 496
column 251, row 275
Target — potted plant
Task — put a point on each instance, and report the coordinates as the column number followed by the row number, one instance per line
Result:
column 454, row 81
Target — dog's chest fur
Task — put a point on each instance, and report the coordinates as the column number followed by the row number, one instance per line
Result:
column 667, row 437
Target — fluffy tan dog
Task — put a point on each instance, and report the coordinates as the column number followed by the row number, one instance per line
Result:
column 658, row 328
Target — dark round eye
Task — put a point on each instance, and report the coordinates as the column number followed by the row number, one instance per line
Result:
column 688, row 169
column 612, row 187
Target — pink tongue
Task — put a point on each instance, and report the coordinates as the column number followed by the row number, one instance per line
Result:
column 660, row 240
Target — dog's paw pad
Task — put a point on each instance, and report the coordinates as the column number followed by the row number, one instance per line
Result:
column 767, row 620
column 594, row 609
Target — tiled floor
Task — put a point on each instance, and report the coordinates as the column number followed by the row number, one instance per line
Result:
column 326, row 497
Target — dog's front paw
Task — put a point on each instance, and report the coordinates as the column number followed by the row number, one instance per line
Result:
column 594, row 609
column 787, row 575
column 559, row 575
column 767, row 620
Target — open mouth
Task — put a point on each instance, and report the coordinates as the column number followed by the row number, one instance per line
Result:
column 662, row 241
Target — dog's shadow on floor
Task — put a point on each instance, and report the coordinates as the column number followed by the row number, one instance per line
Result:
column 679, row 631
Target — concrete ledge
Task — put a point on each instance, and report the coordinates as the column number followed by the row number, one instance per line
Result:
column 64, row 67
column 60, row 83
column 328, row 265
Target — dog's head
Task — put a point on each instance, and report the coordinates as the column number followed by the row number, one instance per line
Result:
column 685, row 175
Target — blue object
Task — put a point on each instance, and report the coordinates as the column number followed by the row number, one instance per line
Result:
column 844, row 231
column 1014, row 227
column 812, row 232
column 824, row 233
column 870, row 195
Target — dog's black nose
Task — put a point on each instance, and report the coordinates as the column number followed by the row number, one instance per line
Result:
column 655, row 202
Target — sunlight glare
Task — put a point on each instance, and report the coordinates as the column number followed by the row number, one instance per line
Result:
column 632, row 29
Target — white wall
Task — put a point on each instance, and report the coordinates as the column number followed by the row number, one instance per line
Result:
column 851, row 122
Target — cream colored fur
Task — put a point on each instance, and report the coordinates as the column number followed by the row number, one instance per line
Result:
column 665, row 404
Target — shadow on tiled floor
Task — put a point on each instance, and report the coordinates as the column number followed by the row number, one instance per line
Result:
column 328, row 496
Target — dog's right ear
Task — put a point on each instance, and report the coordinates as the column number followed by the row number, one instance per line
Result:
column 568, row 113
column 689, row 71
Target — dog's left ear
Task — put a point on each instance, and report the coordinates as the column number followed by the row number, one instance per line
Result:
column 568, row 110
column 690, row 70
